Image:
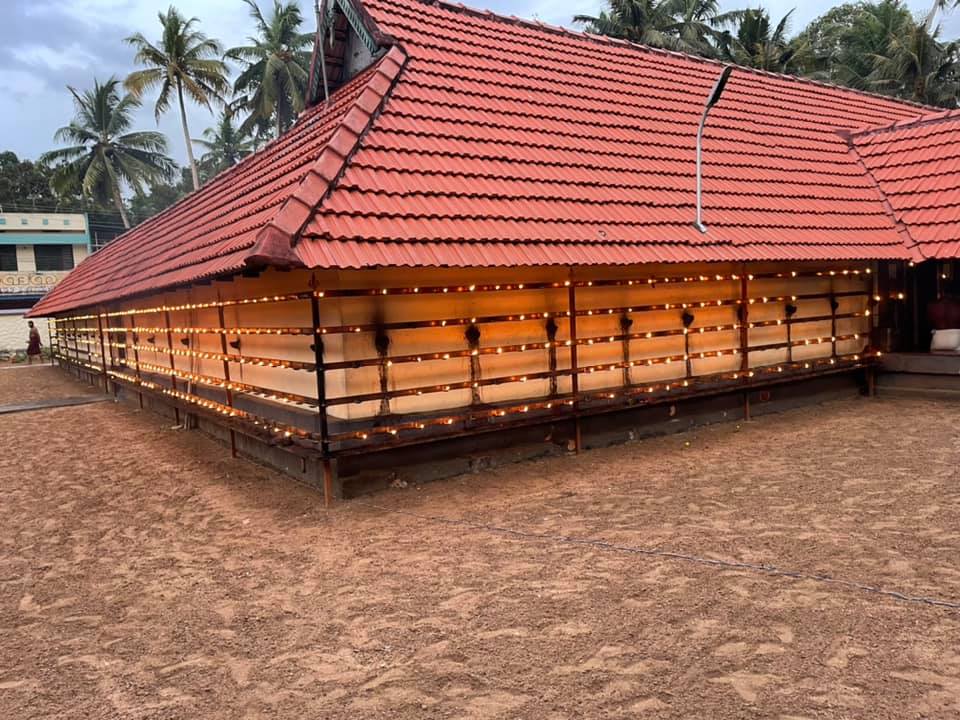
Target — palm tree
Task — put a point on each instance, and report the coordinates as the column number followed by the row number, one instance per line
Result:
column 225, row 145
column 185, row 61
column 275, row 67
column 104, row 156
column 695, row 25
column 843, row 42
column 755, row 45
column 691, row 26
column 640, row 21
column 918, row 66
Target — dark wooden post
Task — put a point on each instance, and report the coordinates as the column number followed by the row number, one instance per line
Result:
column 173, row 363
column 51, row 325
column 103, row 353
column 872, row 307
column 744, row 322
column 472, row 336
column 226, row 371
column 745, row 337
column 551, row 328
column 626, row 323
column 136, row 358
column 687, row 318
column 834, row 304
column 329, row 464
column 574, row 365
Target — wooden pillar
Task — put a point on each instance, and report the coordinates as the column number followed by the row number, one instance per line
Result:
column 51, row 323
column 551, row 329
column 226, row 372
column 744, row 321
column 626, row 323
column 136, row 358
column 574, row 365
column 103, row 353
column 173, row 363
column 328, row 463
column 110, row 348
column 745, row 337
column 834, row 304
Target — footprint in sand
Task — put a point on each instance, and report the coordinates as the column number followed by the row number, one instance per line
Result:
column 840, row 656
column 17, row 684
column 746, row 685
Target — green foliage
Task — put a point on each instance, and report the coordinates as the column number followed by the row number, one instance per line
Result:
column 875, row 46
column 25, row 185
column 103, row 156
column 692, row 26
column 225, row 145
column 274, row 68
column 755, row 42
column 159, row 196
column 881, row 47
column 184, row 62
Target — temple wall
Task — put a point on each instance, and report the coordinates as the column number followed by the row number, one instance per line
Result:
column 594, row 321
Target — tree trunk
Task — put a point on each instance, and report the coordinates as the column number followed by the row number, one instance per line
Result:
column 186, row 138
column 118, row 201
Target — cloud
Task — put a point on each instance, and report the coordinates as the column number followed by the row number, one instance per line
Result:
column 55, row 59
column 22, row 85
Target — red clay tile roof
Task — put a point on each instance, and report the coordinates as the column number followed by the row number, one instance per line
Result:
column 481, row 140
column 508, row 143
column 247, row 216
column 917, row 166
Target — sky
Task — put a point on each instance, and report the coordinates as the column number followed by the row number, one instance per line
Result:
column 49, row 44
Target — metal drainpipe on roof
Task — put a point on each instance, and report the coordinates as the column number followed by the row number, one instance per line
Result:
column 711, row 101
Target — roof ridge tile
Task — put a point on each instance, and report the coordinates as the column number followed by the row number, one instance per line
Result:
column 275, row 243
column 921, row 121
column 608, row 40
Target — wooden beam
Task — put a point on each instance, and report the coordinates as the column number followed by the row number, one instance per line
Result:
column 173, row 362
column 574, row 364
column 226, row 374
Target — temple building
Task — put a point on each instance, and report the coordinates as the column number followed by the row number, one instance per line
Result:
column 487, row 231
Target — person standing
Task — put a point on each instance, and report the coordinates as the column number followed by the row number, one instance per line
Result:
column 33, row 344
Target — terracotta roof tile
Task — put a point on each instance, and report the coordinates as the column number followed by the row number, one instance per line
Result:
column 917, row 166
column 481, row 140
column 246, row 215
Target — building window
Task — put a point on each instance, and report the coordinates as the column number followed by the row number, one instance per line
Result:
column 53, row 257
column 8, row 258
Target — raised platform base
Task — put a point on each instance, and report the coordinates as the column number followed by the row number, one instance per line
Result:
column 920, row 374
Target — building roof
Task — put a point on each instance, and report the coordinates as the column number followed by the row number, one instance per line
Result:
column 479, row 140
column 917, row 167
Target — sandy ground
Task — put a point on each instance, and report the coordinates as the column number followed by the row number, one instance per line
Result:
column 145, row 575
column 20, row 384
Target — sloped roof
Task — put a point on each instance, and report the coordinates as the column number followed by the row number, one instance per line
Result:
column 510, row 143
column 917, row 166
column 248, row 215
column 479, row 140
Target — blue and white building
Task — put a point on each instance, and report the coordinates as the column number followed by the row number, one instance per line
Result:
column 37, row 250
